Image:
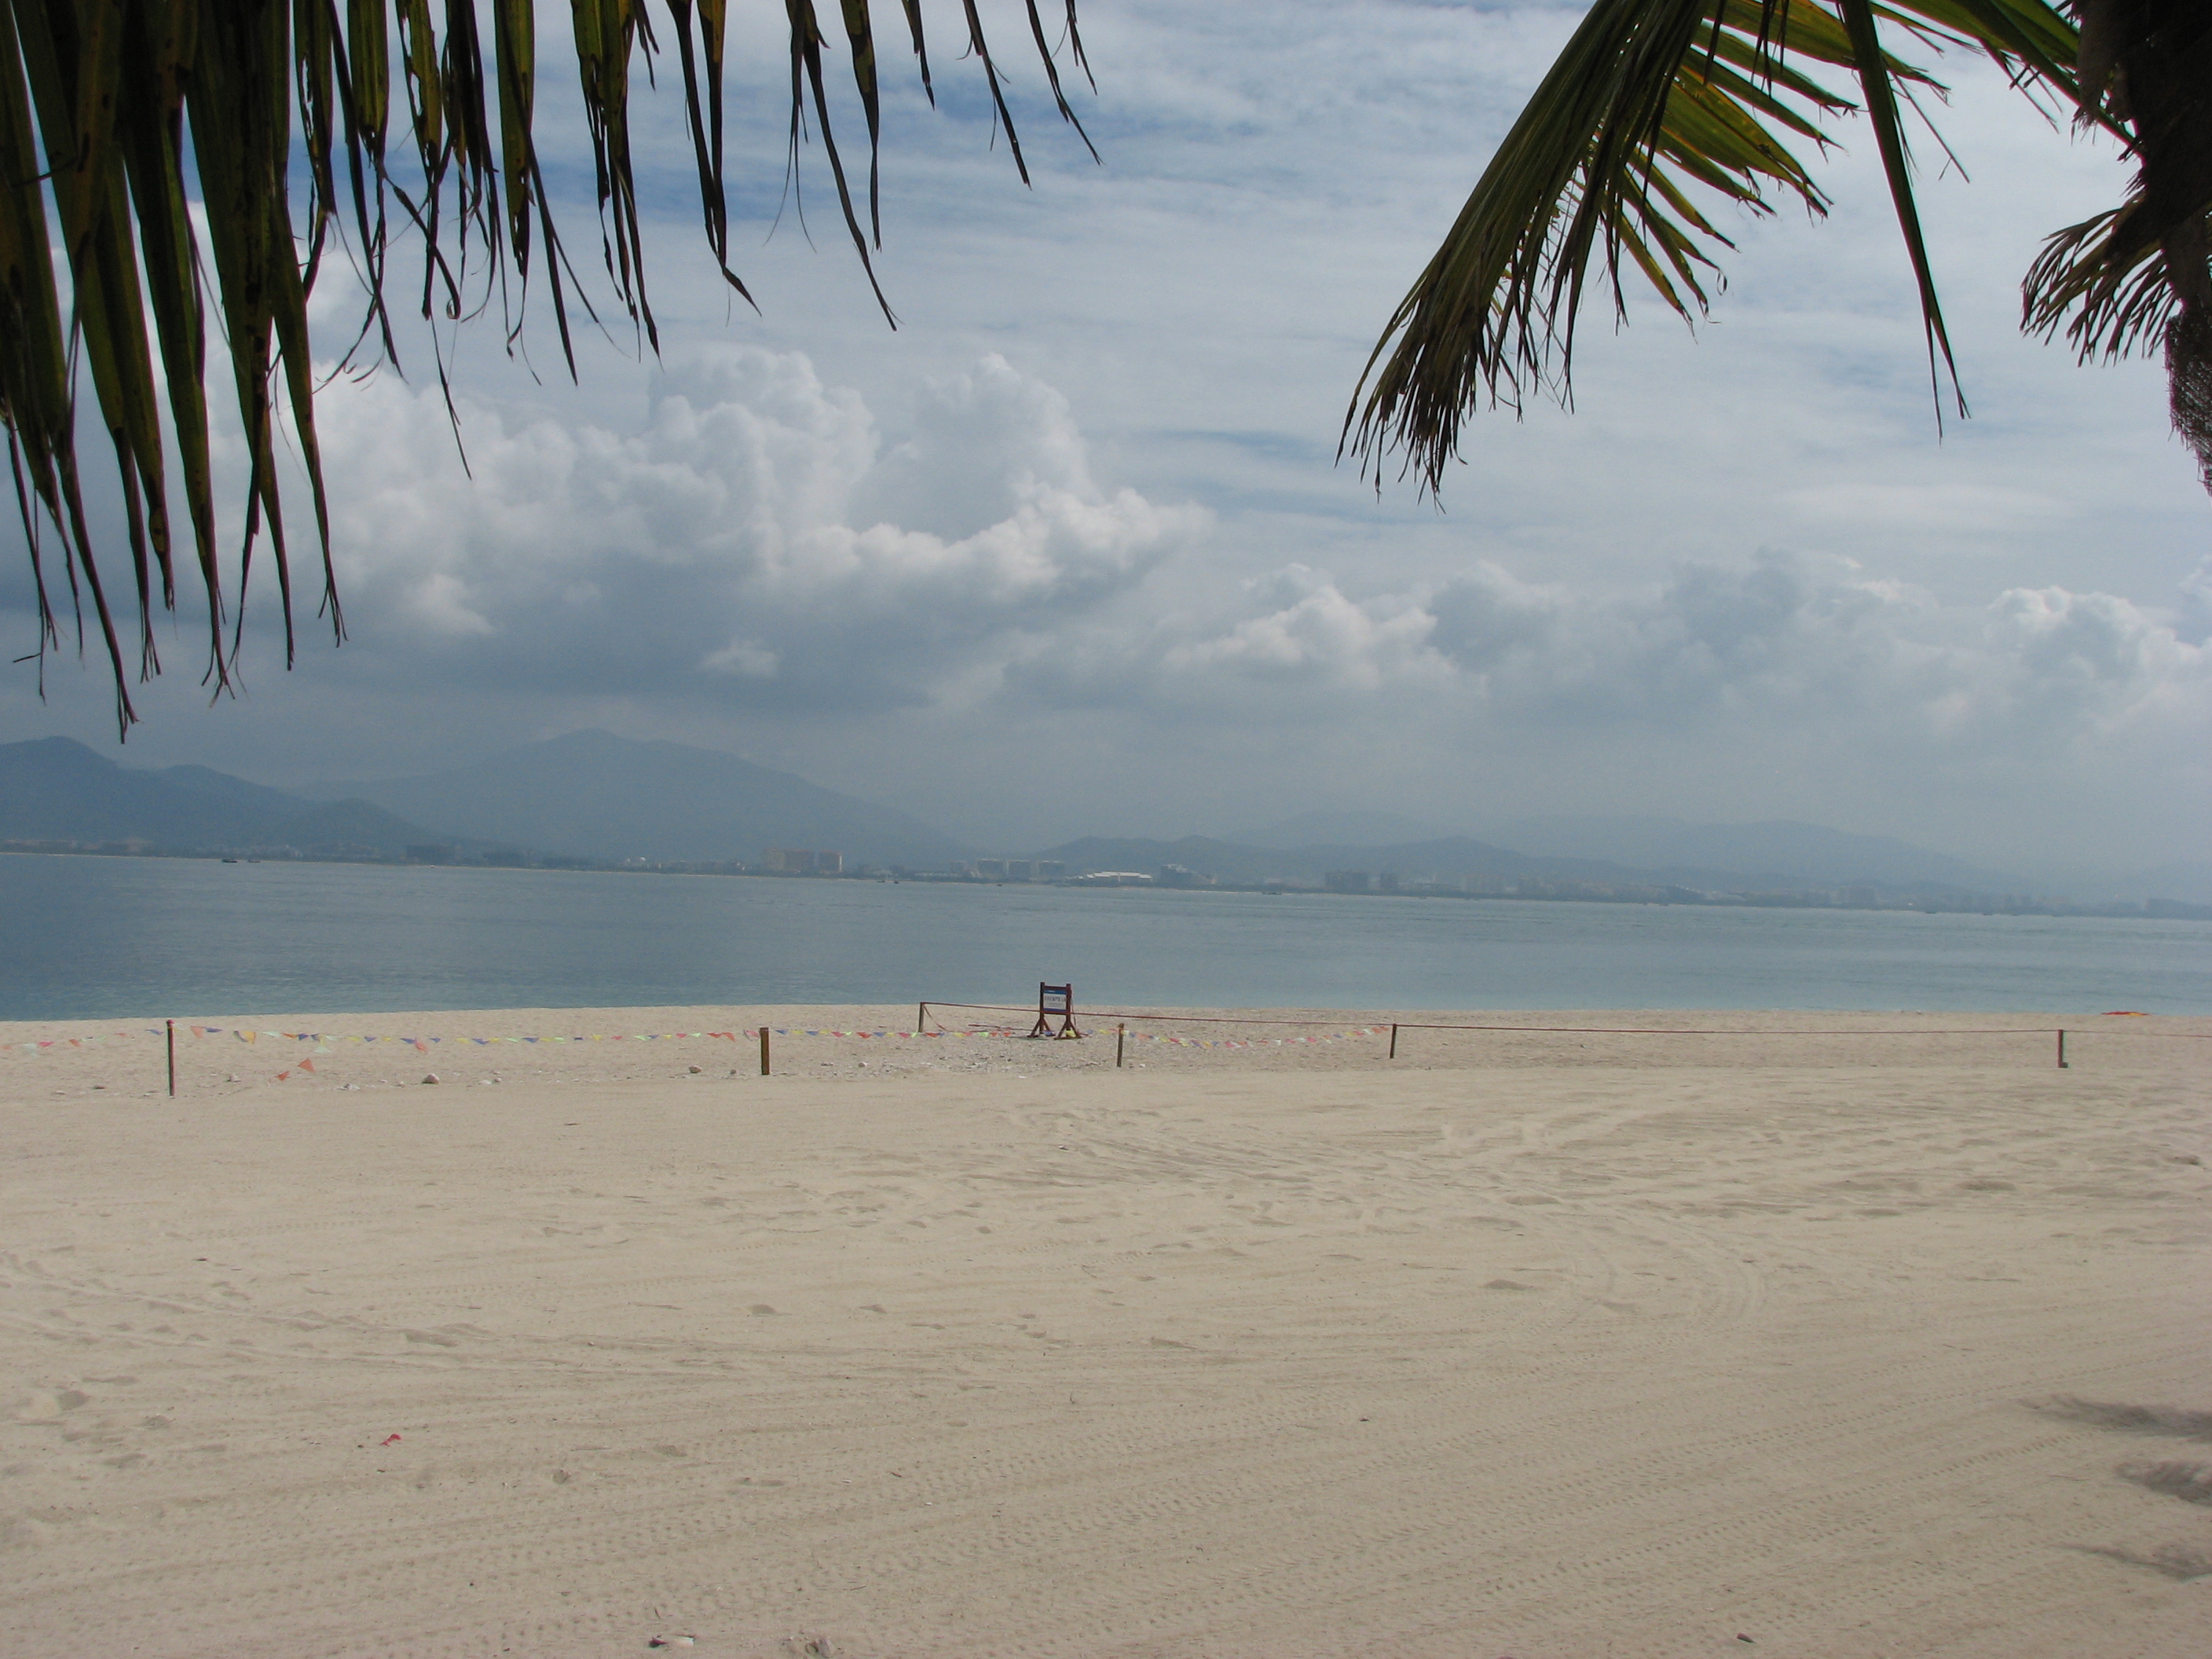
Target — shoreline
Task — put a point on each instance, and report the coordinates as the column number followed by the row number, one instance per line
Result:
column 1962, row 902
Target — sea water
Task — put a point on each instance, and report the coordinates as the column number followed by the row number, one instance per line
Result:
column 100, row 938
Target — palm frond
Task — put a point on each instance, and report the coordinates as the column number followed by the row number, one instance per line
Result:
column 98, row 99
column 2138, row 278
column 1652, row 105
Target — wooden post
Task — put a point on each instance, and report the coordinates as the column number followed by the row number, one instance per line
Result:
column 2062, row 1050
column 763, row 1033
column 1394, row 1041
column 1120, row 1031
column 173, row 1058
column 920, row 1016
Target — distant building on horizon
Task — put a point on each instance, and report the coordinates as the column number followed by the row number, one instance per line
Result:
column 1345, row 881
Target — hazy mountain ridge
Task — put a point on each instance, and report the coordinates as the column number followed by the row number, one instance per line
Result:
column 57, row 789
column 591, row 795
column 1360, row 829
column 1776, row 852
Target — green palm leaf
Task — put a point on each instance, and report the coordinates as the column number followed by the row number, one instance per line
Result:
column 2139, row 276
column 1654, row 107
column 96, row 100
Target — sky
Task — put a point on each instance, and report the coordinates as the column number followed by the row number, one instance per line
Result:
column 1071, row 552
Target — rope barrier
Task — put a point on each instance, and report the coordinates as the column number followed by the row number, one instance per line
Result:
column 1701, row 1030
column 1256, row 1043
column 322, row 1040
column 421, row 1044
column 1604, row 1030
column 247, row 1034
column 1123, row 1033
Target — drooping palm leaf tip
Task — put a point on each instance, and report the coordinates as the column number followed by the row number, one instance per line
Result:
column 116, row 116
column 1656, row 113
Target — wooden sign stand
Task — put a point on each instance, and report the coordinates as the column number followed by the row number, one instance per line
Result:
column 1055, row 999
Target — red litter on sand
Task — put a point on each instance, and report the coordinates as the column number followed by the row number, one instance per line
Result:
column 388, row 1440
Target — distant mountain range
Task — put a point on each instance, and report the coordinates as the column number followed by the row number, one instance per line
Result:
column 56, row 789
column 586, row 795
column 1341, row 830
column 1775, row 854
column 593, row 795
column 1779, row 853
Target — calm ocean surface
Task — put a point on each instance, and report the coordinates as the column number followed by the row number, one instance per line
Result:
column 95, row 937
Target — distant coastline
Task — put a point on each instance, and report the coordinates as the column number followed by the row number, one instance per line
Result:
column 1532, row 890
column 589, row 801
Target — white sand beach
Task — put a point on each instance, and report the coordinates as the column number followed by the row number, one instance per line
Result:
column 1845, row 1347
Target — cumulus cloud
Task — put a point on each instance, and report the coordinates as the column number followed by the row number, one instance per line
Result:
column 1788, row 644
column 1314, row 637
column 757, row 539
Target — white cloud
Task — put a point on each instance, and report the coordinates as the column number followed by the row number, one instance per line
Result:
column 1787, row 647
column 746, row 657
column 756, row 537
column 439, row 601
column 1316, row 637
